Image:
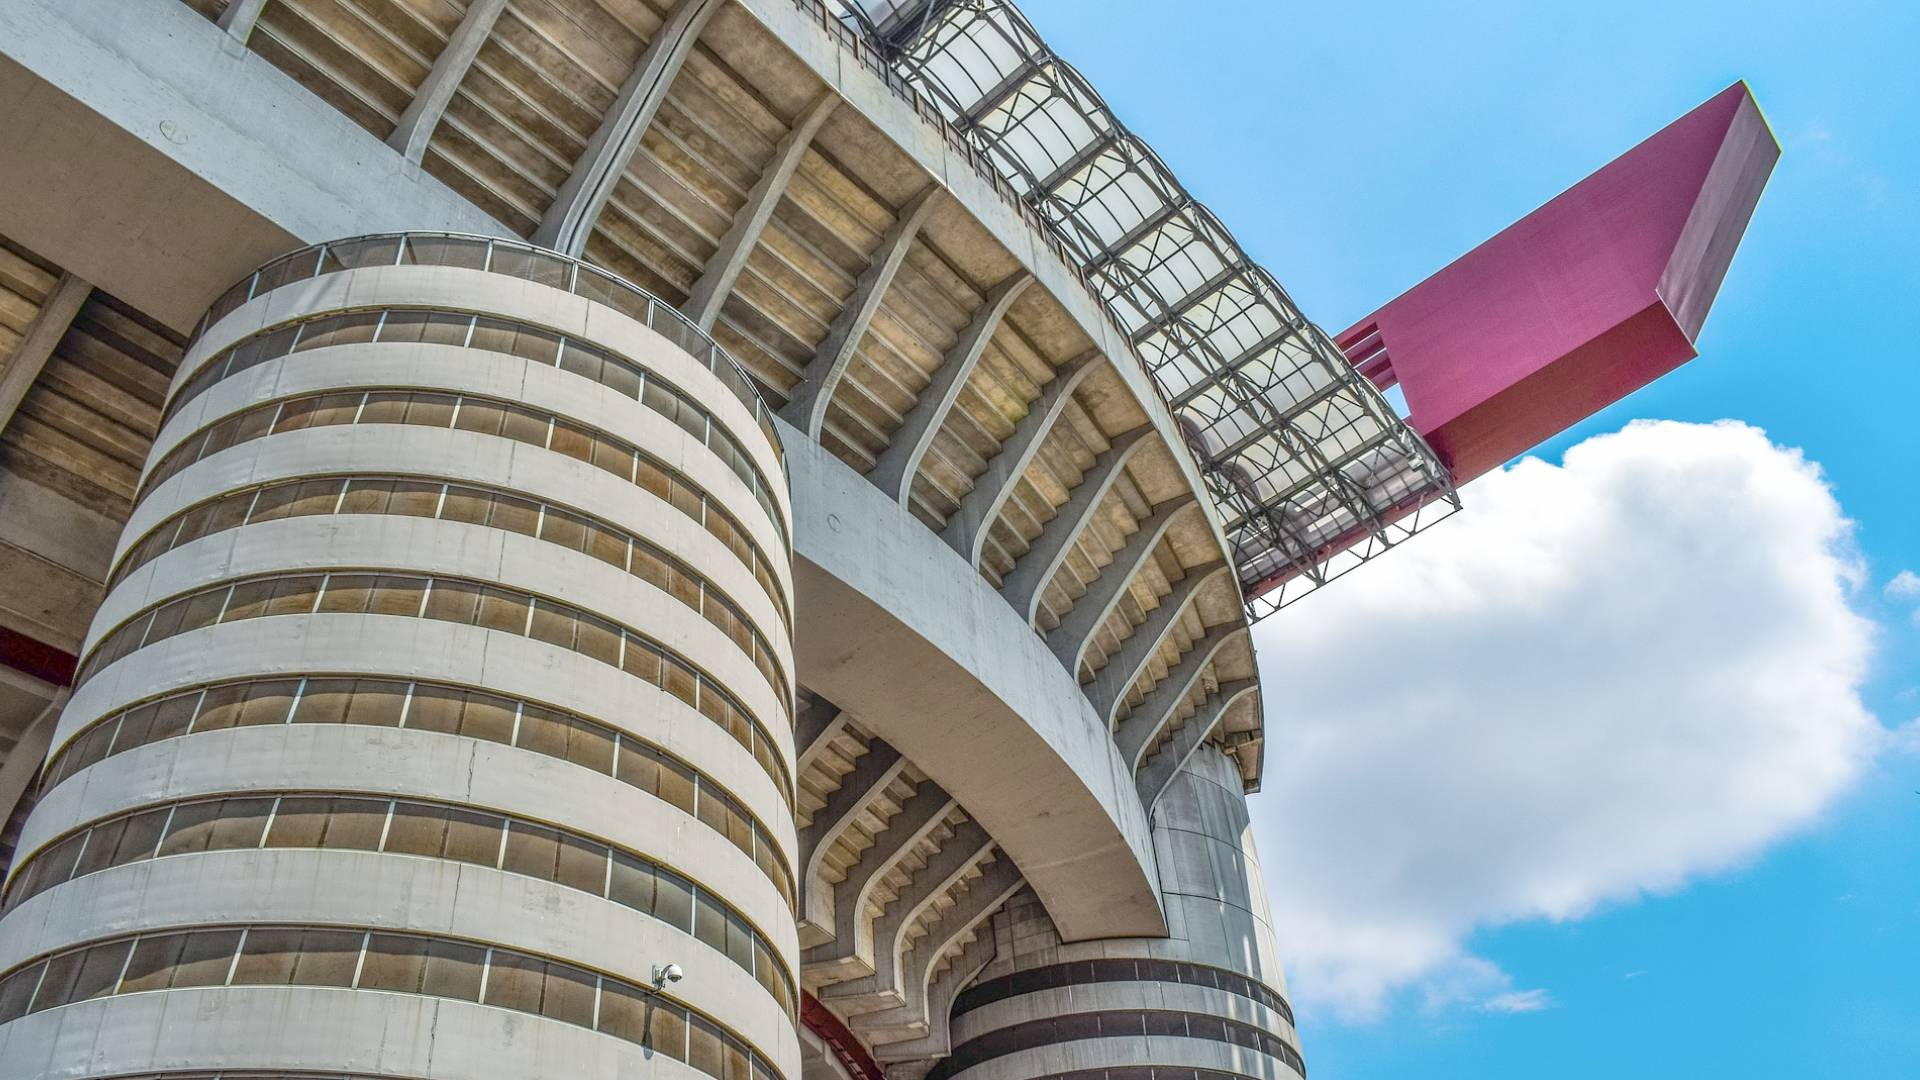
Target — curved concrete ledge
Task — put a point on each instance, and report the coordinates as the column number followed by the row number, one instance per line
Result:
column 1098, row 997
column 425, row 546
column 455, row 370
column 504, row 297
column 393, row 892
column 465, row 457
column 413, row 764
column 311, row 1029
column 1131, row 1052
column 898, row 629
column 465, row 655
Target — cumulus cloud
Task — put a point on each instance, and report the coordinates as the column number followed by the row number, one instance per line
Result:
column 1904, row 586
column 1603, row 679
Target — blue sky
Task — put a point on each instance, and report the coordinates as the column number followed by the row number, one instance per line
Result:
column 1354, row 148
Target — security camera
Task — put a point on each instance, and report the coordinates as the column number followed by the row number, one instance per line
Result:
column 664, row 975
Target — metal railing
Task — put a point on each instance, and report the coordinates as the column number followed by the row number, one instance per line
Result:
column 511, row 258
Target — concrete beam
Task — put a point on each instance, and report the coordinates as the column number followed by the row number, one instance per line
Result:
column 967, row 846
column 1030, row 575
column 710, row 293
column 807, row 408
column 36, row 345
column 851, row 952
column 872, row 772
column 1070, row 639
column 1123, row 668
column 900, row 462
column 570, row 219
column 817, row 725
column 240, row 17
column 1145, row 724
column 429, row 103
column 1159, row 772
column 28, row 753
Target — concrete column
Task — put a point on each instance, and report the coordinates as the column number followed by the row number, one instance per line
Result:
column 505, row 625
column 569, row 220
column 429, row 103
column 901, row 462
column 710, row 293
column 807, row 408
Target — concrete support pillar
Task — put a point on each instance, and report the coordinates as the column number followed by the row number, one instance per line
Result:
column 710, row 293
column 1070, row 639
column 1030, row 575
column 36, row 345
column 901, row 462
column 570, row 219
column 1138, row 731
column 807, row 408
column 1112, row 681
column 429, row 104
column 1153, row 778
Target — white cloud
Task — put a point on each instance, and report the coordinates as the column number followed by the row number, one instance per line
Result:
column 1518, row 1001
column 1904, row 586
column 1602, row 679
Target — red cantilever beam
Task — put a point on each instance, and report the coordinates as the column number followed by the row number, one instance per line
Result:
column 1581, row 302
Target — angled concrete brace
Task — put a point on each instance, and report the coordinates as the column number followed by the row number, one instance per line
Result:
column 23, row 760
column 37, row 343
column 968, row 845
column 1112, row 681
column 967, row 529
column 1071, row 638
column 984, row 896
column 852, row 945
column 577, row 206
column 240, row 18
column 897, row 466
column 928, row 1014
column 429, row 104
column 1154, row 713
column 872, row 771
column 736, row 244
column 807, row 408
column 1153, row 780
column 1030, row 575
column 816, row 726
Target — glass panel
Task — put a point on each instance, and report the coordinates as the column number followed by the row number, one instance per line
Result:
column 569, row 994
column 631, row 882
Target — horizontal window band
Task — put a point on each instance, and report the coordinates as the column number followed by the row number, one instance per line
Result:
column 469, row 503
column 485, row 334
column 444, row 708
column 405, row 963
column 481, row 415
column 347, row 821
column 1088, row 972
column 1114, row 1024
column 439, row 597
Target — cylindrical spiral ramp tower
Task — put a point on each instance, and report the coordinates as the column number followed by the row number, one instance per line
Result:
column 1207, row 1002
column 440, row 700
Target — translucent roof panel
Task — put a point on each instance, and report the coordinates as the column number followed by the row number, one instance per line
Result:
column 1312, row 471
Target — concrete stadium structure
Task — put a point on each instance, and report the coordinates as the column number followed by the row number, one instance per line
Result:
column 584, row 538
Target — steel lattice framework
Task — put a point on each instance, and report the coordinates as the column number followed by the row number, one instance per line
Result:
column 1311, row 469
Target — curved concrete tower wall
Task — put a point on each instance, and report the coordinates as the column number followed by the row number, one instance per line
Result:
column 1205, row 1003
column 442, row 693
